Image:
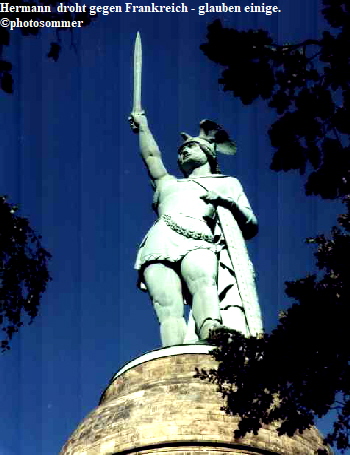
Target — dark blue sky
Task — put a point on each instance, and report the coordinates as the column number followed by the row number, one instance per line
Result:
column 71, row 162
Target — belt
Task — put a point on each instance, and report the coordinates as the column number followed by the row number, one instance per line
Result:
column 186, row 232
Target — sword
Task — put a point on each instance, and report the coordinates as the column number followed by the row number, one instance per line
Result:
column 137, row 108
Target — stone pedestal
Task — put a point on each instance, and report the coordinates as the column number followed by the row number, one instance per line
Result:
column 154, row 405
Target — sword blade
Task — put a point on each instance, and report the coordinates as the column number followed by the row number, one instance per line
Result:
column 137, row 108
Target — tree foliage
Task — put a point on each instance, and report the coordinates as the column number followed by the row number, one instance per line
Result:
column 304, row 361
column 307, row 83
column 300, row 371
column 6, row 79
column 23, row 273
column 23, row 261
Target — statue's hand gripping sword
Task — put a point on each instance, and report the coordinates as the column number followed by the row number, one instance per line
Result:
column 137, row 108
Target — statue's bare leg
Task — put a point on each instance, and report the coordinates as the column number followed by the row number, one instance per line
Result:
column 199, row 269
column 164, row 287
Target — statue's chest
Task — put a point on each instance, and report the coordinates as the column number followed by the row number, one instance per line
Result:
column 182, row 189
column 179, row 192
column 209, row 184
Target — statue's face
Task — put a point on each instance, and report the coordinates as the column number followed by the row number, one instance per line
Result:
column 191, row 156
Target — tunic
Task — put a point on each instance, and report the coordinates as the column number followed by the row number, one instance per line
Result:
column 174, row 234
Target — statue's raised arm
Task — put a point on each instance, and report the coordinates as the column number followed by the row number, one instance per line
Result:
column 148, row 147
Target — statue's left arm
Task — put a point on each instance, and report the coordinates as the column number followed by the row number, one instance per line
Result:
column 244, row 214
column 234, row 199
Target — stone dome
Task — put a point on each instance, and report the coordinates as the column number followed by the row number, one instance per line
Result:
column 155, row 405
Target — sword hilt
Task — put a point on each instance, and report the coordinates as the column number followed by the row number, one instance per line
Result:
column 134, row 126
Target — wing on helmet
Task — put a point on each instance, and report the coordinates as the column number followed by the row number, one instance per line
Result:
column 214, row 133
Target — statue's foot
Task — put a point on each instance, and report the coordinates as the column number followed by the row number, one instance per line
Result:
column 208, row 327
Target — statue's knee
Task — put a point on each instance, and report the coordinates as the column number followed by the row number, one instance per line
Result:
column 166, row 299
column 168, row 308
column 202, row 282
